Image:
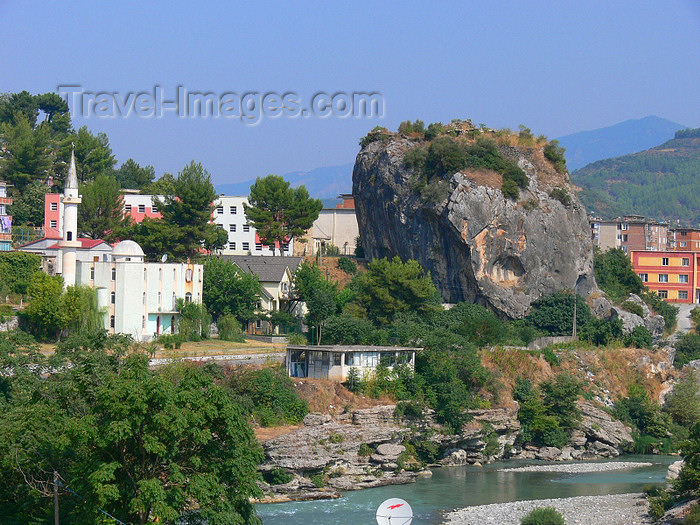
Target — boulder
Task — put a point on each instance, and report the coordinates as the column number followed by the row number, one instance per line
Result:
column 455, row 456
column 674, row 470
column 389, row 450
column 312, row 420
column 548, row 453
column 478, row 245
column 600, row 307
column 599, row 426
column 634, row 298
column 629, row 320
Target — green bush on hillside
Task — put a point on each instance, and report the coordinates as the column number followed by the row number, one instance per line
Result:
column 554, row 153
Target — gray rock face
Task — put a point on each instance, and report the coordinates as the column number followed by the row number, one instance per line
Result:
column 478, row 245
column 629, row 320
column 600, row 428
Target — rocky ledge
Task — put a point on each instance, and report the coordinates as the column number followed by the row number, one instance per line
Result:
column 365, row 449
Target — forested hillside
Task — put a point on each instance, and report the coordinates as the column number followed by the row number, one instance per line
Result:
column 661, row 182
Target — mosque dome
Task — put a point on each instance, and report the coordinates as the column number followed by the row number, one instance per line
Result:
column 127, row 250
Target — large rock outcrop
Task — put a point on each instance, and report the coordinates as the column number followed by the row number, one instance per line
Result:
column 478, row 245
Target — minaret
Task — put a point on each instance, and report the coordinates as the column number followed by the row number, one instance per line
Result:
column 69, row 244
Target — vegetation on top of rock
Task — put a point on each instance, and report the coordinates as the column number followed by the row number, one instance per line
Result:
column 554, row 153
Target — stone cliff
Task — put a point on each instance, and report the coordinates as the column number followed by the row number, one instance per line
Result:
column 479, row 245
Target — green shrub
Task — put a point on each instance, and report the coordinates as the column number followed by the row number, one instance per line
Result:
column 407, row 127
column 640, row 337
column 550, row 356
column 378, row 133
column 319, row 480
column 543, row 516
column 683, row 402
column 229, row 328
column 687, row 349
column 336, row 438
column 661, row 307
column 365, row 450
column 297, row 339
column 554, row 153
column 554, row 313
column 561, row 195
column 615, row 275
column 347, row 265
column 277, row 476
column 434, row 129
column 633, row 308
column 354, row 381
column 17, row 270
column 693, row 517
column 510, row 190
column 268, row 395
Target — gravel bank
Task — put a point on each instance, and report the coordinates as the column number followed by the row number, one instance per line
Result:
column 577, row 468
column 618, row 509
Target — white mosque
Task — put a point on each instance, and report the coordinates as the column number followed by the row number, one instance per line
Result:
column 138, row 297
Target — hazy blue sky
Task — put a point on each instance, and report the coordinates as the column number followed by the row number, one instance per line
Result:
column 555, row 67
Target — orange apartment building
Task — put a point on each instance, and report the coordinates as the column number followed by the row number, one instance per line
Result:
column 684, row 239
column 671, row 274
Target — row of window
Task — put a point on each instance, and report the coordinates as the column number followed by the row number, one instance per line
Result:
column 232, row 227
column 663, row 278
column 233, row 210
column 141, row 208
column 258, row 246
column 685, row 261
column 682, row 294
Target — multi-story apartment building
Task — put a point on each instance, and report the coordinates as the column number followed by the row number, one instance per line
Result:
column 630, row 233
column 673, row 275
column 135, row 205
column 229, row 214
column 334, row 226
column 5, row 219
column 684, row 239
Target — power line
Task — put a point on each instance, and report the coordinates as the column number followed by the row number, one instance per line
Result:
column 58, row 482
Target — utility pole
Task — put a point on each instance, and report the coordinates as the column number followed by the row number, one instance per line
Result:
column 574, row 330
column 55, row 497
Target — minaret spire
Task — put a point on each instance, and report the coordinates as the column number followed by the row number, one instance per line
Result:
column 72, row 179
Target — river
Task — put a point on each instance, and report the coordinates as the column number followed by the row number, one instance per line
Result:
column 455, row 487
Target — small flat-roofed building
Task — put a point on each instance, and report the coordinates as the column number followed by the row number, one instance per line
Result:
column 334, row 362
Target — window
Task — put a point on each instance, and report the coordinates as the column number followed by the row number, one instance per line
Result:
column 619, row 237
column 664, row 261
column 145, row 273
column 232, row 227
column 682, row 278
column 92, row 273
column 142, row 208
column 663, row 294
column 114, row 274
column 337, row 358
column 685, row 261
column 54, row 224
column 154, row 208
column 683, row 294
column 258, row 246
column 644, row 277
column 54, row 206
column 663, row 277
column 285, row 247
column 113, row 298
column 188, row 297
column 144, row 298
column 683, row 244
column 233, row 210
column 143, row 321
column 219, row 210
column 127, row 208
column 246, row 228
column 111, row 321
column 69, row 236
column 232, row 246
column 188, row 275
column 624, row 237
column 625, row 227
column 160, row 299
column 245, row 245
column 221, row 226
column 683, row 234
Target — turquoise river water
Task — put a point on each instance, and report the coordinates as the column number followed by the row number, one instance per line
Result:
column 455, row 487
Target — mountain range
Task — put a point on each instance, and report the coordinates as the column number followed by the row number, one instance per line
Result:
column 661, row 182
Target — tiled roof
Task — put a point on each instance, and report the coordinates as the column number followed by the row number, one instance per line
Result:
column 85, row 244
column 268, row 269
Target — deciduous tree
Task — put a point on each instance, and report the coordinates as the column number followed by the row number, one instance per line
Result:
column 229, row 290
column 101, row 209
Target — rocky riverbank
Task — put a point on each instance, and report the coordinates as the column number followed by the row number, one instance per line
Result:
column 370, row 447
column 618, row 509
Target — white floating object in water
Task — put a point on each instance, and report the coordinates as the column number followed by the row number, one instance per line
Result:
column 394, row 511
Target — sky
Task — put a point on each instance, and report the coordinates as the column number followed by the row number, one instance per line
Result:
column 558, row 68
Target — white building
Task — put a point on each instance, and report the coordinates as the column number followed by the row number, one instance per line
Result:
column 229, row 214
column 140, row 297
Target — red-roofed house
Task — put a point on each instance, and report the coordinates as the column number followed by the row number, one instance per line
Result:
column 89, row 250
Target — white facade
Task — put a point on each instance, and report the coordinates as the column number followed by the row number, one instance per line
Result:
column 139, row 297
column 229, row 214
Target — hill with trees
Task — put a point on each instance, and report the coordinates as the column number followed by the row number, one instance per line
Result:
column 623, row 138
column 660, row 182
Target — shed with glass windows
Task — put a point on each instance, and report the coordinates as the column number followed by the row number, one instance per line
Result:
column 334, row 362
